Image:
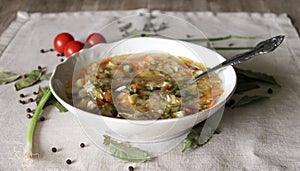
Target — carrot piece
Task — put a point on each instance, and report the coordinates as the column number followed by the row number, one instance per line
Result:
column 105, row 61
column 147, row 59
column 211, row 104
column 107, row 104
column 213, row 94
column 107, row 97
column 135, row 86
column 99, row 102
column 137, row 67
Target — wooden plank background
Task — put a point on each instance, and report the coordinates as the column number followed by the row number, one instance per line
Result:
column 9, row 8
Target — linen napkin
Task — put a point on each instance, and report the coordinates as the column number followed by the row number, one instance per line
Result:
column 260, row 136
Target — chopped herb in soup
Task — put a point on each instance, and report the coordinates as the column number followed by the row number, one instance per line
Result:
column 145, row 86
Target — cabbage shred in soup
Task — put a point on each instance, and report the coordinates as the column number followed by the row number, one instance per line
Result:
column 152, row 84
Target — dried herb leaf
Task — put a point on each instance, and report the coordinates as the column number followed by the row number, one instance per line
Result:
column 194, row 140
column 29, row 79
column 7, row 77
column 249, row 99
column 125, row 27
column 52, row 100
column 124, row 152
column 46, row 76
column 257, row 76
column 245, row 86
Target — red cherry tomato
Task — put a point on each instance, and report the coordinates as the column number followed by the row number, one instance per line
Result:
column 93, row 39
column 61, row 40
column 72, row 47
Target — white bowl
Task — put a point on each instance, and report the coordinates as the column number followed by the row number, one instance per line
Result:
column 141, row 130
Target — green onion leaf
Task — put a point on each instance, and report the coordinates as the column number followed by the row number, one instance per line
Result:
column 52, row 100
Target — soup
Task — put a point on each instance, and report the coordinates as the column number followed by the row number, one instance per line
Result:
column 144, row 86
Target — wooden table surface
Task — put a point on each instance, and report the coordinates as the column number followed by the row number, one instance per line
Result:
column 9, row 8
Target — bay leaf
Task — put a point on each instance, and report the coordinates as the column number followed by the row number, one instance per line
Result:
column 249, row 99
column 124, row 152
column 125, row 27
column 7, row 77
column 29, row 79
column 245, row 86
column 257, row 76
column 194, row 140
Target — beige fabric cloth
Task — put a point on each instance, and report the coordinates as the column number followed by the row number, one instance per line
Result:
column 260, row 136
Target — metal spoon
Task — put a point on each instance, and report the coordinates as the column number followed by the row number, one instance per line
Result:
column 261, row 48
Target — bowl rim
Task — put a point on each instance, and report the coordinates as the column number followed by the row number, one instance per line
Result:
column 75, row 55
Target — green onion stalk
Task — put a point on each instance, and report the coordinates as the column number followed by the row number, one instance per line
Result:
column 212, row 39
column 29, row 141
column 136, row 32
column 233, row 48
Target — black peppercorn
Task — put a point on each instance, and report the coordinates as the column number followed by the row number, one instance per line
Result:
column 42, row 118
column 69, row 161
column 131, row 168
column 28, row 116
column 62, row 59
column 60, row 54
column 270, row 91
column 22, row 101
column 31, row 99
column 35, row 93
column 54, row 149
column 82, row 145
column 22, row 95
column 39, row 67
column 51, row 50
column 217, row 131
column 42, row 51
column 28, row 110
